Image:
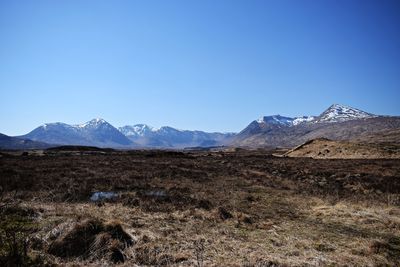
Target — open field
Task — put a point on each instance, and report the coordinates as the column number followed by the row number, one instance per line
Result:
column 239, row 208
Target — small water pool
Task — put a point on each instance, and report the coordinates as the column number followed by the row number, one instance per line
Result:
column 98, row 196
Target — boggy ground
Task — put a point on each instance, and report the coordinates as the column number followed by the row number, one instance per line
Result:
column 240, row 208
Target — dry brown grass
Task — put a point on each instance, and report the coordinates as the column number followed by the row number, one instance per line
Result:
column 92, row 239
column 218, row 209
column 328, row 149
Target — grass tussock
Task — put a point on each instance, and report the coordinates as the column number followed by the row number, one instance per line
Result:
column 93, row 239
column 389, row 248
column 17, row 224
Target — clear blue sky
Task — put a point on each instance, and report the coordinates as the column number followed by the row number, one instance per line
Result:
column 209, row 65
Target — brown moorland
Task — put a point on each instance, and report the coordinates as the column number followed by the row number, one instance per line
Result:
column 203, row 208
column 323, row 148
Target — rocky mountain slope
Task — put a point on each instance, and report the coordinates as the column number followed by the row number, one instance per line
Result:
column 338, row 122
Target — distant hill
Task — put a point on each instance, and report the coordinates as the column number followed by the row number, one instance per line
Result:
column 8, row 142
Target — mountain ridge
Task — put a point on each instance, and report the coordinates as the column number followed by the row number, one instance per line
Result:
column 98, row 132
column 169, row 137
column 334, row 113
column 337, row 122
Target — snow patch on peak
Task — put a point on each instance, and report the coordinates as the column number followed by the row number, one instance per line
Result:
column 261, row 120
column 303, row 119
column 98, row 120
column 340, row 113
column 275, row 119
column 47, row 125
column 137, row 130
column 92, row 123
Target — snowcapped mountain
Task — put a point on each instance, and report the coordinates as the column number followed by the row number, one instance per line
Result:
column 136, row 130
column 338, row 122
column 103, row 133
column 56, row 133
column 285, row 121
column 340, row 113
column 168, row 137
column 100, row 133
column 96, row 132
column 276, row 130
column 92, row 124
column 276, row 119
column 335, row 113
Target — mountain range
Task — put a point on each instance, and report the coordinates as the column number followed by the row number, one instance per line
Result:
column 168, row 137
column 100, row 133
column 96, row 132
column 338, row 122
